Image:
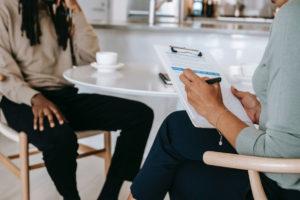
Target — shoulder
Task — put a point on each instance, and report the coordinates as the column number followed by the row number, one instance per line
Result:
column 8, row 9
column 8, row 5
column 284, row 42
column 290, row 11
column 286, row 22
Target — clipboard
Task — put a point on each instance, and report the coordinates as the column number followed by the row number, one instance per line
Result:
column 205, row 65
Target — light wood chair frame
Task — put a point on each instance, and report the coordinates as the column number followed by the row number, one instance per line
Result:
column 253, row 165
column 24, row 154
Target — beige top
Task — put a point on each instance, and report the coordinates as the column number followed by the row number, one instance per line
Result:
column 27, row 67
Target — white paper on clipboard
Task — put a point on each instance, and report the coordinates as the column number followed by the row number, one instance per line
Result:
column 204, row 66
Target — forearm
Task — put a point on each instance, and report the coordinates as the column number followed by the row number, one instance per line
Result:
column 16, row 89
column 85, row 40
column 230, row 126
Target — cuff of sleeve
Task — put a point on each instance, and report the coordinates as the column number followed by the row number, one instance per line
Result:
column 27, row 94
column 247, row 139
column 79, row 20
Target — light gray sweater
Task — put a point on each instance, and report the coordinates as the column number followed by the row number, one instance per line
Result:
column 277, row 85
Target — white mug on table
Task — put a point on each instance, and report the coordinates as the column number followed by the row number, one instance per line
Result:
column 107, row 62
column 107, row 58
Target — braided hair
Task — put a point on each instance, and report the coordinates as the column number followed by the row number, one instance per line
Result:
column 29, row 9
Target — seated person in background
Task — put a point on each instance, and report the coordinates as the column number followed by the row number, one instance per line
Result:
column 35, row 50
column 175, row 163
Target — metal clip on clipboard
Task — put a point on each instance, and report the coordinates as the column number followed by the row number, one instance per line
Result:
column 195, row 52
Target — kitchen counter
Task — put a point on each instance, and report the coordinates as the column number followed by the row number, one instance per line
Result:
column 220, row 25
column 232, row 44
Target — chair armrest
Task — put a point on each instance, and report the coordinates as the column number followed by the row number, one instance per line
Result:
column 9, row 132
column 260, row 164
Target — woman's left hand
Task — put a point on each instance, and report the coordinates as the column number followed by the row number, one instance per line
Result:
column 206, row 99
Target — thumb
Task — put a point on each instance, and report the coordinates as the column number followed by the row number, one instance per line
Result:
column 237, row 93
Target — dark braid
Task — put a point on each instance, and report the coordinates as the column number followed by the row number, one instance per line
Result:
column 29, row 10
column 62, row 26
column 30, row 24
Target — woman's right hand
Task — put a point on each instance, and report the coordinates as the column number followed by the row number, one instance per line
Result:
column 250, row 103
column 41, row 108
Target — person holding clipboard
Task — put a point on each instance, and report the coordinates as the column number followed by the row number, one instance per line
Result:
column 175, row 164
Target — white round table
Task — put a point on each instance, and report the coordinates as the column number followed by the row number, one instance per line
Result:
column 133, row 79
column 139, row 82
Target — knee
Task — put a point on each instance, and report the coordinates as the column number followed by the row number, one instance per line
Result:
column 61, row 140
column 177, row 117
column 173, row 125
column 148, row 112
column 145, row 112
column 65, row 135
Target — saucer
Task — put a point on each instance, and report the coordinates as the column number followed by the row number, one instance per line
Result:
column 107, row 68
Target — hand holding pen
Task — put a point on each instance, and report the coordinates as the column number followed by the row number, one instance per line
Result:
column 203, row 94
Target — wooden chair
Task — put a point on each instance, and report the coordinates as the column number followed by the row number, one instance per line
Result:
column 253, row 165
column 22, row 172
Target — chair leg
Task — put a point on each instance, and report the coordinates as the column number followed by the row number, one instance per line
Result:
column 24, row 166
column 107, row 145
column 256, row 186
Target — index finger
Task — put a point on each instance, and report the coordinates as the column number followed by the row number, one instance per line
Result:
column 185, row 80
column 189, row 74
column 49, row 115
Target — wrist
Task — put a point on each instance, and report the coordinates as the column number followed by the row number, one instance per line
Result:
column 216, row 114
column 35, row 98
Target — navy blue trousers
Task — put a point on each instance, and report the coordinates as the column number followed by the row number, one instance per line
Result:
column 175, row 165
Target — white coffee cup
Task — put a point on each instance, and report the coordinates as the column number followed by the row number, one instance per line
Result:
column 107, row 58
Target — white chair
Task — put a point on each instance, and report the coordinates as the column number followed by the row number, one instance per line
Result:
column 22, row 172
column 253, row 165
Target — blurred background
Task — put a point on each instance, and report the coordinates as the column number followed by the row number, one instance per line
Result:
column 176, row 10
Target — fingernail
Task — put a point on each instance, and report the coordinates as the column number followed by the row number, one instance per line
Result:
column 42, row 129
column 61, row 122
column 52, row 125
